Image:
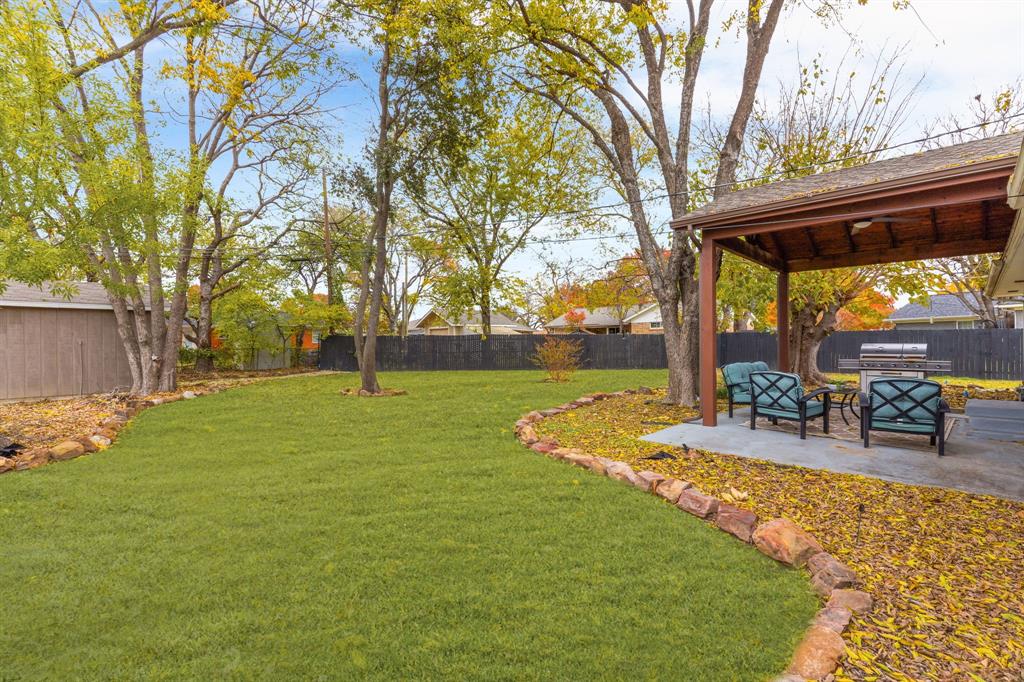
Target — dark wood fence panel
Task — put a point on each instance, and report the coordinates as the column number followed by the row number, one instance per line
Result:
column 979, row 353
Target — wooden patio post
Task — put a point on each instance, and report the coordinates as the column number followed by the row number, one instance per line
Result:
column 782, row 321
column 708, row 342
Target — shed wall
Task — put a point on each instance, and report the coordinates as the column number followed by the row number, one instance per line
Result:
column 46, row 352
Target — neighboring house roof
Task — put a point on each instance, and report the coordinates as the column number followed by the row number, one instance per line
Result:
column 642, row 310
column 886, row 170
column 599, row 317
column 471, row 319
column 939, row 306
column 88, row 296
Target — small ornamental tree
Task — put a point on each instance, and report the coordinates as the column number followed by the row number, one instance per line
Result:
column 559, row 357
column 575, row 318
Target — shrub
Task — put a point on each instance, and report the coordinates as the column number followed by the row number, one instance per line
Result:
column 559, row 357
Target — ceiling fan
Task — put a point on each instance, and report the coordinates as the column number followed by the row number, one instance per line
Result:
column 868, row 222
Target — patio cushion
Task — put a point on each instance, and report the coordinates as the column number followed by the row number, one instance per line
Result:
column 739, row 396
column 905, row 402
column 814, row 408
column 776, row 391
column 906, row 427
column 738, row 373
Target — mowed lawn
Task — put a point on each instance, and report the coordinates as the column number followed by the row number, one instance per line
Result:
column 282, row 530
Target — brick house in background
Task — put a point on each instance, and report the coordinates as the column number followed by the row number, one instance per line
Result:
column 640, row 319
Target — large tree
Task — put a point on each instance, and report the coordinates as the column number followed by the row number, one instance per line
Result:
column 830, row 119
column 420, row 51
column 98, row 193
column 488, row 199
column 91, row 195
column 612, row 69
column 252, row 101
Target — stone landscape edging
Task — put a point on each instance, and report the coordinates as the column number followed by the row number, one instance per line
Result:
column 818, row 655
column 100, row 437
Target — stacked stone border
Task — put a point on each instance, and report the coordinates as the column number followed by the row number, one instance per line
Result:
column 99, row 438
column 819, row 652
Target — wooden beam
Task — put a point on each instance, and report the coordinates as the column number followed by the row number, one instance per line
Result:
column 849, row 235
column 810, row 241
column 782, row 320
column 751, row 252
column 892, row 235
column 708, row 342
column 935, row 224
column 919, row 251
column 985, row 219
column 778, row 245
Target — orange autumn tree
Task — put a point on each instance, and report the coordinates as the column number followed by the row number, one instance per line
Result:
column 869, row 310
column 575, row 319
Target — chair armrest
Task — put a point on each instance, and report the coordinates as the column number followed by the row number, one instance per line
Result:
column 943, row 405
column 815, row 393
column 863, row 400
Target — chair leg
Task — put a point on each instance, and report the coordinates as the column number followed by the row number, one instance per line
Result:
column 932, row 440
column 775, row 421
column 867, row 434
column 753, row 416
column 730, row 405
column 942, row 439
column 824, row 418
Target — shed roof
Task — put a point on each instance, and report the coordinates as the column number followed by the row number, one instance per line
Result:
column 875, row 172
column 88, row 296
column 938, row 306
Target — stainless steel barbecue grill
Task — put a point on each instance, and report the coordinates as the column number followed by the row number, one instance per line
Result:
column 893, row 360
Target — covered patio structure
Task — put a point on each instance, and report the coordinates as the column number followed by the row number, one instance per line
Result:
column 945, row 202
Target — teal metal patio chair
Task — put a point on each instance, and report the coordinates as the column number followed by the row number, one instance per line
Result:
column 904, row 406
column 737, row 381
column 779, row 395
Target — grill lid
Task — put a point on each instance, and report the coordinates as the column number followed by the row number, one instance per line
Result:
column 894, row 351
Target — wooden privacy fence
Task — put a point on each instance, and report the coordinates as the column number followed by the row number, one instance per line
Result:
column 979, row 353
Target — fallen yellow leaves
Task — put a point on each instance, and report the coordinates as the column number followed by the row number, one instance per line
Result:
column 946, row 568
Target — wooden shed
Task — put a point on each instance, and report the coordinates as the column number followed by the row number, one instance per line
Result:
column 53, row 346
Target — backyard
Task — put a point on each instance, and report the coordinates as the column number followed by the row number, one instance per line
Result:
column 282, row 529
column 944, row 567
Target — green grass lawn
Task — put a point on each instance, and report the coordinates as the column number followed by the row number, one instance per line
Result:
column 282, row 531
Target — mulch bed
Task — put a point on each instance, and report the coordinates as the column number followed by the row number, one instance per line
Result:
column 946, row 568
column 44, row 423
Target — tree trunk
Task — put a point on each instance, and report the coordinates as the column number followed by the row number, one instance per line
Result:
column 485, row 312
column 368, row 366
column 204, row 328
column 808, row 328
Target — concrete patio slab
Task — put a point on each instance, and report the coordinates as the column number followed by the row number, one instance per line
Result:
column 976, row 466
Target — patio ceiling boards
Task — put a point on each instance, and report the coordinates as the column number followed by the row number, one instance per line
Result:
column 950, row 201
